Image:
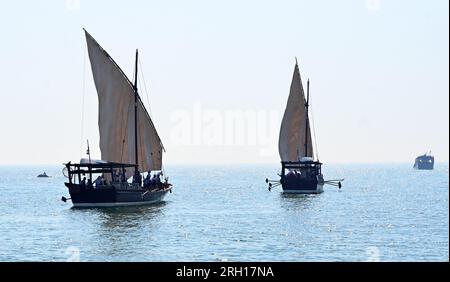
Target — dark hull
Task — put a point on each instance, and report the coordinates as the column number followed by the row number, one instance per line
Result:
column 302, row 177
column 302, row 186
column 110, row 196
column 424, row 162
column 425, row 166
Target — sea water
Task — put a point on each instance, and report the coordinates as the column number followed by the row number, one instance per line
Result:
column 384, row 212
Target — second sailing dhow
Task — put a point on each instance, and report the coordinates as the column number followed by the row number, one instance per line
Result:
column 129, row 143
column 300, row 173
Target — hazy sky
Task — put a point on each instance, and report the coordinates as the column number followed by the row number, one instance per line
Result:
column 218, row 75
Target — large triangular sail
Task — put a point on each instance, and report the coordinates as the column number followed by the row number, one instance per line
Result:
column 116, row 115
column 295, row 130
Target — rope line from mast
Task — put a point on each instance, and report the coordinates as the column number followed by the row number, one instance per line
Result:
column 141, row 77
column 313, row 126
column 82, row 101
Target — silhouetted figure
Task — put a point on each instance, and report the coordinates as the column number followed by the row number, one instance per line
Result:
column 147, row 180
column 137, row 178
column 122, row 176
column 83, row 183
column 98, row 181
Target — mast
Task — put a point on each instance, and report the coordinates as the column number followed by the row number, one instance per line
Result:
column 88, row 152
column 89, row 167
column 306, row 119
column 135, row 111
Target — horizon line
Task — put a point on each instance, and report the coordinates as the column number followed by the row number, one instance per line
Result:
column 241, row 163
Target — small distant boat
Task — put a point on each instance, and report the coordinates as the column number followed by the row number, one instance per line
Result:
column 43, row 175
column 425, row 161
column 300, row 172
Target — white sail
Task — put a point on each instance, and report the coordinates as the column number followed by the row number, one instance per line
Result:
column 293, row 132
column 116, row 115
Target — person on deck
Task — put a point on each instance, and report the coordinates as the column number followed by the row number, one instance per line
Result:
column 116, row 176
column 152, row 181
column 158, row 178
column 122, row 176
column 83, row 182
column 290, row 174
column 98, row 181
column 147, row 180
column 137, row 178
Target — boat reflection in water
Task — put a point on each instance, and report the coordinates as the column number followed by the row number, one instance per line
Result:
column 294, row 202
column 113, row 220
column 129, row 217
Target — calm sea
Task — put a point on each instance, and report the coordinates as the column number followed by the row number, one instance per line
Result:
column 383, row 212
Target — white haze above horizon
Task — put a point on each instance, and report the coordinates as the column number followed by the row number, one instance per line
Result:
column 217, row 75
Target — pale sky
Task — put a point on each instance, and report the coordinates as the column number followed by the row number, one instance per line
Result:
column 379, row 76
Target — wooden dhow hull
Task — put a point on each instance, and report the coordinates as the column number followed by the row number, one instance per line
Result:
column 303, row 187
column 112, row 196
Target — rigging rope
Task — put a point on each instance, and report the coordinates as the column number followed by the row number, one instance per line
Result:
column 145, row 88
column 82, row 103
column 142, row 82
column 314, row 128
